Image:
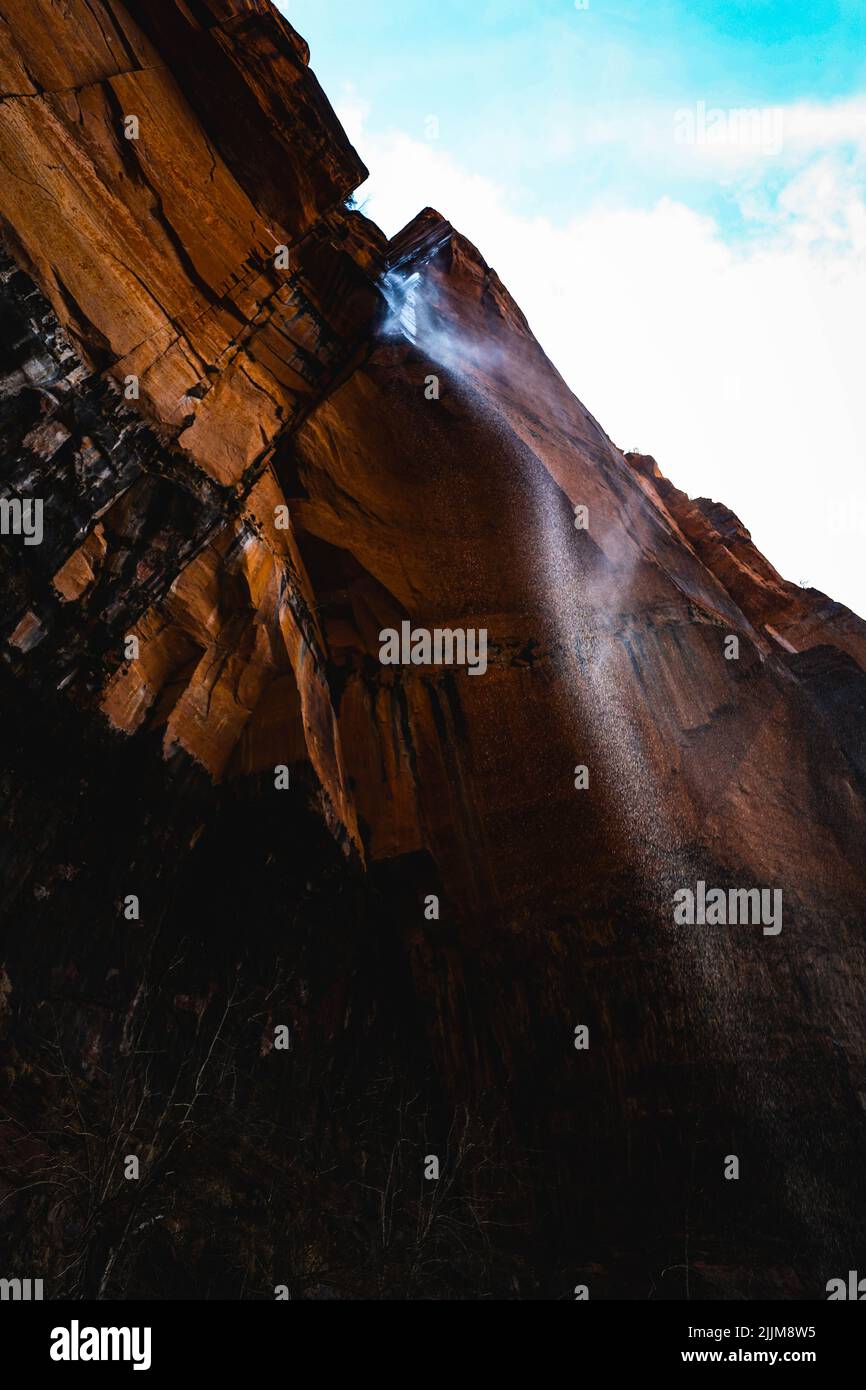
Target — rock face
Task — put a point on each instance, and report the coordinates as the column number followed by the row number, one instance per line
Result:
column 262, row 435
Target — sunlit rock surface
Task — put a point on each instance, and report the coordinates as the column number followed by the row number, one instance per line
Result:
column 332, row 435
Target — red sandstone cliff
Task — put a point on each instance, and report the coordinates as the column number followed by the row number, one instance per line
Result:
column 272, row 379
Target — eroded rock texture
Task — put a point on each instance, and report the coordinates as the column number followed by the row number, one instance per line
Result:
column 262, row 434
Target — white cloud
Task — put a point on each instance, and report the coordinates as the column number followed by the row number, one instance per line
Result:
column 811, row 126
column 739, row 367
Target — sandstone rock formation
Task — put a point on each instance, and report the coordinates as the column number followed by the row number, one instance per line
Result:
column 262, row 434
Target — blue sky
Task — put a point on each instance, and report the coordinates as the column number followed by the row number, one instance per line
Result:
column 703, row 295
column 514, row 82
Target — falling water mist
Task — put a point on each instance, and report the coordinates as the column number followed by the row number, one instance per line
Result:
column 580, row 631
column 586, row 637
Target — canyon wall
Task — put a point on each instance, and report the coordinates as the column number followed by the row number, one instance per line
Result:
column 262, row 434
